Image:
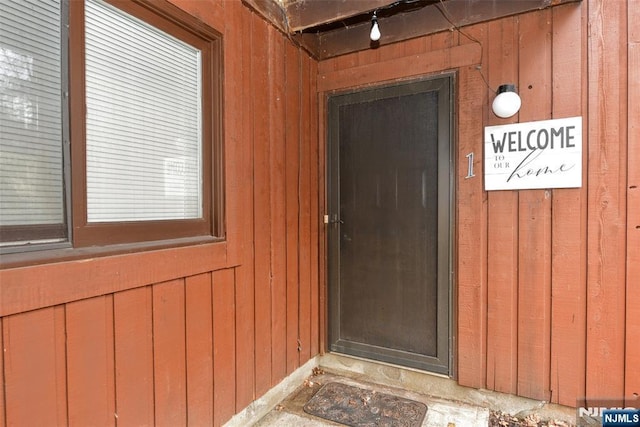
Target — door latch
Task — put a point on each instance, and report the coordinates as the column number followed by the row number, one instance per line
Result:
column 332, row 219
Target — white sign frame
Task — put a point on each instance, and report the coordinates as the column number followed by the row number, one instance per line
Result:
column 533, row 155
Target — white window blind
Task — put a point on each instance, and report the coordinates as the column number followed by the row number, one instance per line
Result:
column 31, row 159
column 143, row 124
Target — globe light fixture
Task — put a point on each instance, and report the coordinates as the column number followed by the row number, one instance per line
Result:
column 507, row 102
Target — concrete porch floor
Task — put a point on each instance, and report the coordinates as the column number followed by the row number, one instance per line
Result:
column 449, row 405
column 439, row 412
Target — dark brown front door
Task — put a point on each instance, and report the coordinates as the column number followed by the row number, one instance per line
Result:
column 389, row 231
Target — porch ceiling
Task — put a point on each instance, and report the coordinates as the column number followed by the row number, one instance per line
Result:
column 328, row 28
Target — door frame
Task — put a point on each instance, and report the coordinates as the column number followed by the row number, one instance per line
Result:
column 444, row 362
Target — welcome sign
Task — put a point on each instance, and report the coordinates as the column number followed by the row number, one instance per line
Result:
column 543, row 154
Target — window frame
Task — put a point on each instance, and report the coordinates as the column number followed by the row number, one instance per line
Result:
column 127, row 236
column 179, row 24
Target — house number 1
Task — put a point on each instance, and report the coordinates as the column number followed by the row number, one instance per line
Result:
column 470, row 166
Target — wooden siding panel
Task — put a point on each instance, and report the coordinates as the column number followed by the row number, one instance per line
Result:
column 262, row 213
column 90, row 362
column 35, row 368
column 28, row 288
column 245, row 291
column 568, row 263
column 502, row 229
column 412, row 47
column 234, row 146
column 534, row 223
column 304, row 319
column 134, row 357
column 370, row 56
column 244, row 338
column 607, row 208
column 444, row 40
column 322, row 241
column 169, row 361
column 277, row 167
column 212, row 12
column 199, row 349
column 471, row 228
column 344, row 62
column 315, row 214
column 330, row 64
column 633, row 13
column 59, row 348
column 3, row 418
column 632, row 346
column 292, row 159
column 224, row 346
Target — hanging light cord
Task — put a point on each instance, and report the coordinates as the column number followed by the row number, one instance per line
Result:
column 445, row 13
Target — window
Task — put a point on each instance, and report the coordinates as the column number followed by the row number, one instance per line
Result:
column 32, row 199
column 140, row 113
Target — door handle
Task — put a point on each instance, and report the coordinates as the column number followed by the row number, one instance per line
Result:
column 333, row 219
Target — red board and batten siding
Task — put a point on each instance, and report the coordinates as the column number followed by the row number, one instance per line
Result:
column 568, row 222
column 607, row 180
column 534, row 216
column 189, row 335
column 543, row 277
column 632, row 360
column 471, row 225
column 502, row 230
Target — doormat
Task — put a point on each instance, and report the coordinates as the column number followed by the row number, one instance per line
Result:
column 357, row 407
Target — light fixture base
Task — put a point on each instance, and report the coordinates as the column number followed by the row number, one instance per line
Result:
column 507, row 101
